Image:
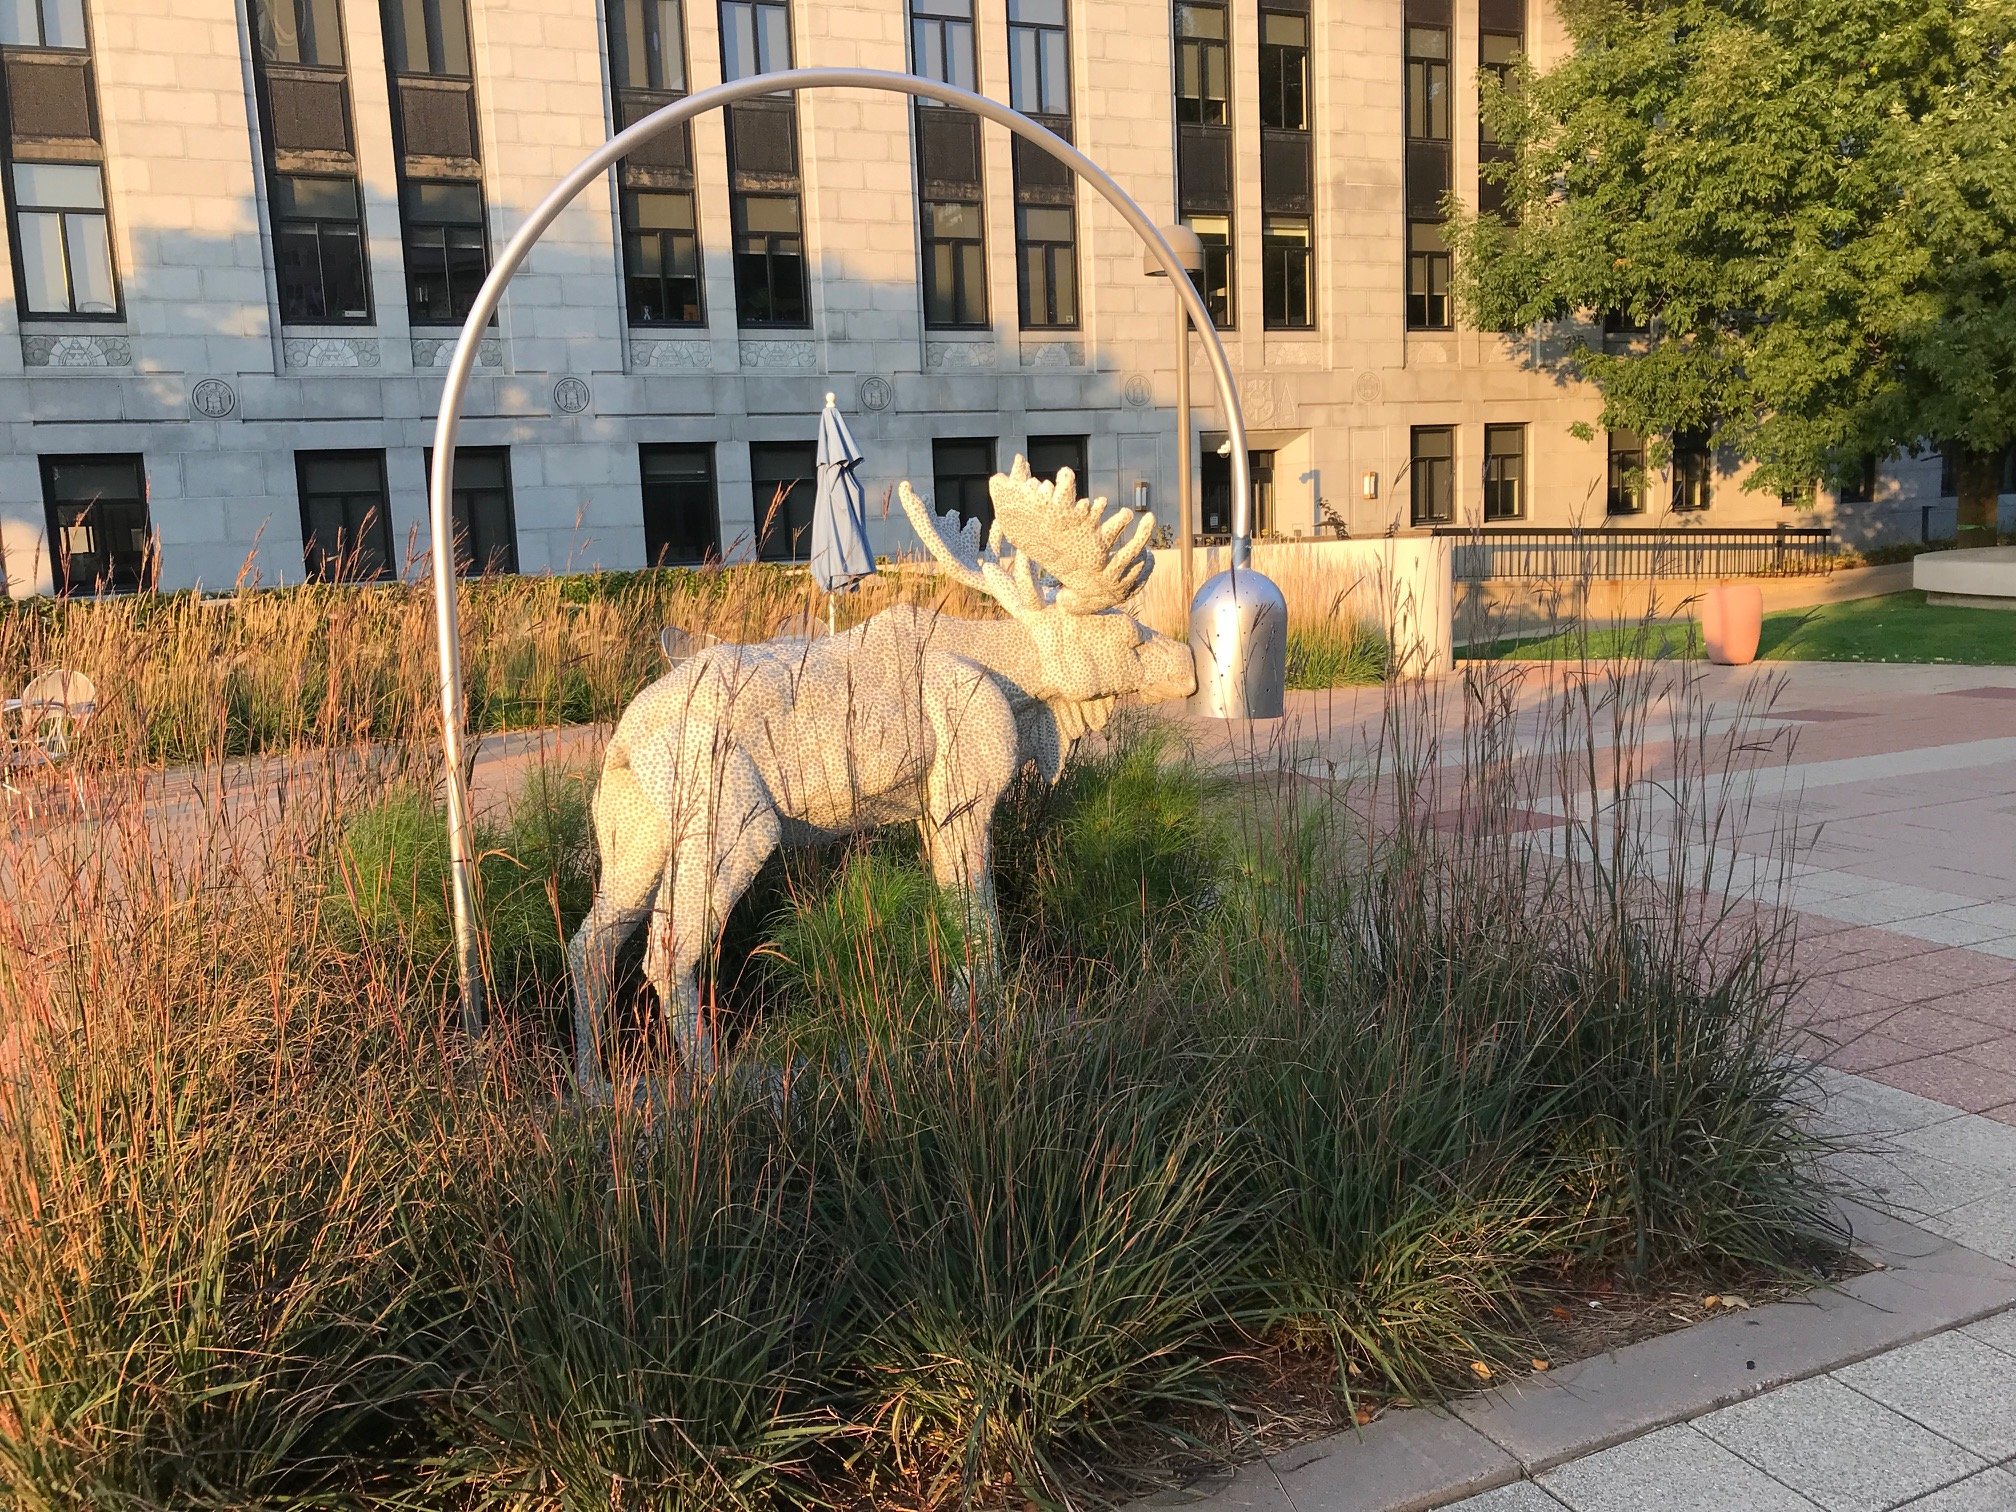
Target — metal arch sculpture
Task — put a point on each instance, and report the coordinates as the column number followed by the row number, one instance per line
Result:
column 462, row 363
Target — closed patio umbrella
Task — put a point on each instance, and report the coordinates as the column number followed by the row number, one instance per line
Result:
column 841, row 556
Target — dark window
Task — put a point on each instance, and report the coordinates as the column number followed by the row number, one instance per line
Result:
column 682, row 522
column 960, row 471
column 42, row 23
column 1047, row 237
column 1049, row 453
column 1861, row 488
column 661, row 258
column 1427, row 278
column 319, row 247
column 447, row 253
column 1284, row 71
column 1215, row 282
column 1693, row 472
column 346, row 519
column 955, row 265
column 62, row 240
column 479, row 502
column 299, row 31
column 1428, row 83
column 755, row 37
column 1949, row 477
column 1215, row 493
column 1504, row 472
column 1498, row 54
column 647, row 45
column 1432, row 469
column 1203, row 64
column 1286, row 273
column 1625, row 325
column 98, row 531
column 1039, row 58
column 769, row 261
column 1625, row 491
column 782, row 485
column 427, row 37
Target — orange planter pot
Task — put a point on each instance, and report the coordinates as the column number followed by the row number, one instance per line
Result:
column 1732, row 619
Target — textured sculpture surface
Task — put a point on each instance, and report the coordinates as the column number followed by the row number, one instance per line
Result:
column 912, row 716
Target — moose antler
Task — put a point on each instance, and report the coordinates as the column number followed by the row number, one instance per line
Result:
column 1097, row 564
column 1009, row 579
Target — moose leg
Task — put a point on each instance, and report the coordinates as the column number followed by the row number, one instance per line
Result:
column 712, row 867
column 634, row 843
column 974, row 757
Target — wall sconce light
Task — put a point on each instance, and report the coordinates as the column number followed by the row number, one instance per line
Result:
column 1371, row 485
column 1140, row 496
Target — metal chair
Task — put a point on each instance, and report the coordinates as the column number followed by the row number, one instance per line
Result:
column 37, row 728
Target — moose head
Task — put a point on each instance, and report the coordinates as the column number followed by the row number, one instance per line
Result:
column 1064, row 570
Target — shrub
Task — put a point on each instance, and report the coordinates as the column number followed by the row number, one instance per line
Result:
column 1337, row 653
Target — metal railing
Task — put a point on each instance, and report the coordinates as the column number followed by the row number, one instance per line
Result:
column 1484, row 553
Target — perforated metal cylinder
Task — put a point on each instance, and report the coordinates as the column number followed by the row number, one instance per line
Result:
column 1239, row 635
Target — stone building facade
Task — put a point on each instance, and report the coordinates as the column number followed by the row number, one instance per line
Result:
column 240, row 234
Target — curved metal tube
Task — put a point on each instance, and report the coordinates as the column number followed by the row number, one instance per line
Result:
column 448, row 635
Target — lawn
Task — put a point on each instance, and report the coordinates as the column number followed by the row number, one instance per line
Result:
column 1898, row 627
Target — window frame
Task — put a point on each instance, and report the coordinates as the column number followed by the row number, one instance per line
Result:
column 705, row 450
column 432, row 12
column 940, row 446
column 1277, row 256
column 1080, row 461
column 634, row 233
column 652, row 37
column 1422, row 298
column 1422, row 480
column 975, row 316
column 1618, row 487
column 317, row 223
column 756, row 8
column 1693, row 481
column 41, row 8
column 798, row 541
column 257, row 9
column 460, row 517
column 1218, row 278
column 314, row 564
column 1426, row 81
column 409, row 224
column 143, row 569
column 17, row 242
column 1040, row 31
column 1495, row 479
column 1202, row 49
column 1275, row 59
column 770, row 256
column 1054, row 254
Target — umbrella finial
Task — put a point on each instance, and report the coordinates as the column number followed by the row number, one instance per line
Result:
column 829, row 398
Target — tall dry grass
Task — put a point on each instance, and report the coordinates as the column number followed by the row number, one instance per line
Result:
column 1352, row 1055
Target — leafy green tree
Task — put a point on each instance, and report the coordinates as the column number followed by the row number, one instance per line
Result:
column 1809, row 205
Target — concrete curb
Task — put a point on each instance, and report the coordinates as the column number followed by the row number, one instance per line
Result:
column 1414, row 1460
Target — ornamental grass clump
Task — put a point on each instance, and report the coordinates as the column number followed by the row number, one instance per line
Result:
column 1345, row 1054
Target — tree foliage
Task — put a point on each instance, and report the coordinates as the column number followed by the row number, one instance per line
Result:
column 1809, row 204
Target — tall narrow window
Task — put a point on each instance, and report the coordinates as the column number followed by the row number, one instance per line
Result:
column 52, row 177
column 65, row 250
column 479, row 501
column 440, row 157
column 660, row 224
column 1432, row 469
column 1046, row 194
column 765, row 190
column 1427, row 108
column 682, row 518
column 1203, row 67
column 445, row 250
column 1501, row 38
column 950, row 193
column 1427, row 277
column 346, row 519
column 960, row 471
column 1861, row 486
column 1693, row 473
column 781, row 488
column 1287, row 173
column 1504, row 472
column 303, row 85
column 98, row 531
column 1626, row 483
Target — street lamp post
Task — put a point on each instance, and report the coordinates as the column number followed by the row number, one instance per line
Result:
column 1189, row 251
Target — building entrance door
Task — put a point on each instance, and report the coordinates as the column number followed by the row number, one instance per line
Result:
column 1215, row 502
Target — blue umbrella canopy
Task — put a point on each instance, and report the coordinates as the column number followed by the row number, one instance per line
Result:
column 840, row 553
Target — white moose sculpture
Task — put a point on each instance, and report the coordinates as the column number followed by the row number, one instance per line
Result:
column 911, row 716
